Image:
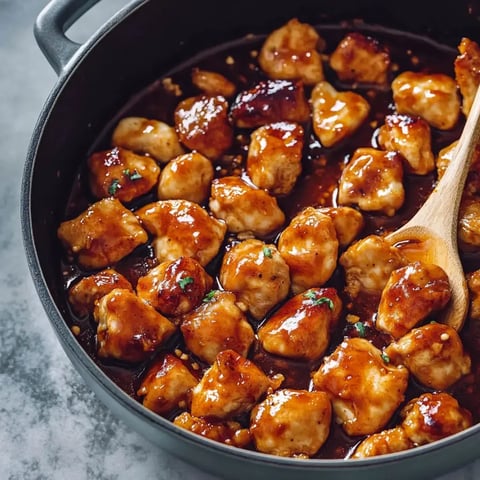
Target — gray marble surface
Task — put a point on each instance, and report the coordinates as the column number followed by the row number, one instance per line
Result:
column 51, row 425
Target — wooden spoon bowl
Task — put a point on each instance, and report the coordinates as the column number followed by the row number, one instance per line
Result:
column 431, row 235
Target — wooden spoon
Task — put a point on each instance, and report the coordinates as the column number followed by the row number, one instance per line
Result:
column 431, row 235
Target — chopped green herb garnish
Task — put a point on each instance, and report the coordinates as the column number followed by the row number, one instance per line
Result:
column 209, row 296
column 267, row 252
column 114, row 186
column 132, row 175
column 360, row 327
column 183, row 282
column 385, row 357
column 311, row 295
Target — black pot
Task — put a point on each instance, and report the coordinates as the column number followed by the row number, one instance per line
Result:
column 95, row 79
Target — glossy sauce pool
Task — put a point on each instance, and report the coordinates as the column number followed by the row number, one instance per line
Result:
column 316, row 187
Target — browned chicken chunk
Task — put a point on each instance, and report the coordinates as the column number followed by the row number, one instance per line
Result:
column 467, row 71
column 469, row 224
column 433, row 353
column 212, row 83
column 166, row 385
column 175, row 287
column 202, row 124
column 368, row 264
column 372, row 179
column 412, row 293
column 473, row 282
column 301, row 327
column 245, row 208
column 347, row 221
column 411, row 137
column 83, row 294
column 128, row 328
column 336, row 115
column 122, row 174
column 147, row 136
column 291, row 423
column 360, row 58
column 230, row 387
column 434, row 416
column 186, row 177
column 387, row 441
column 432, row 96
column 257, row 274
column 102, row 235
column 309, row 246
column 364, row 388
column 217, row 324
column 182, row 229
column 274, row 159
column 228, row 432
column 270, row 101
column 291, row 53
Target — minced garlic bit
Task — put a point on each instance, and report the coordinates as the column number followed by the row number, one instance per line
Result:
column 444, row 337
column 178, row 353
column 352, row 318
column 229, row 60
column 195, row 366
column 76, row 330
column 254, row 53
column 182, row 404
column 171, row 87
column 184, row 356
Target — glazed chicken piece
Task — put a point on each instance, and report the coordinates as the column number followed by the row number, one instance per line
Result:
column 212, row 83
column 128, row 328
column 274, row 159
column 364, row 388
column 202, row 124
column 83, row 294
column 469, row 224
column 301, row 327
column 372, row 179
column 387, row 441
column 309, row 246
column 412, row 293
column 368, row 264
column 433, row 353
column 147, row 136
column 473, row 282
column 166, row 385
column 290, row 53
column 360, row 58
column 257, row 274
column 291, row 423
column 467, row 71
column 336, row 115
column 182, row 229
column 347, row 221
column 411, row 137
column 472, row 184
column 102, row 235
column 432, row 96
column 230, row 387
column 217, row 324
column 245, row 208
column 175, row 287
column 186, row 177
column 228, row 432
column 270, row 101
column 122, row 174
column 434, row 416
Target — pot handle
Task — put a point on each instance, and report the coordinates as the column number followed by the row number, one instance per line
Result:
column 51, row 25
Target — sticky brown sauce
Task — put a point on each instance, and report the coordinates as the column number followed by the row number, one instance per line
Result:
column 316, row 187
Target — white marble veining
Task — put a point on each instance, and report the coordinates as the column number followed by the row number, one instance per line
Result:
column 51, row 425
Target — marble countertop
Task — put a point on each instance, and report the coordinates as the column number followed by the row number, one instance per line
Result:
column 51, row 425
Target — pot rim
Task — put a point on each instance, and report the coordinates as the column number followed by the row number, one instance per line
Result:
column 73, row 348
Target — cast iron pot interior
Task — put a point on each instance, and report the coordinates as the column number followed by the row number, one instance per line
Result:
column 137, row 46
